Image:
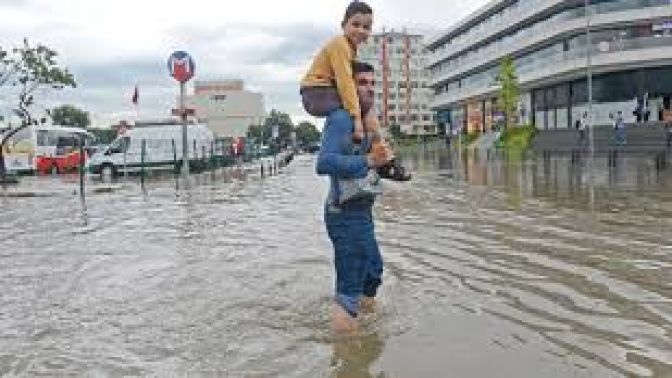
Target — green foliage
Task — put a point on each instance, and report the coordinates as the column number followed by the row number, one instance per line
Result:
column 6, row 67
column 284, row 121
column 70, row 115
column 517, row 138
column 264, row 132
column 307, row 133
column 395, row 131
column 104, row 136
column 468, row 139
column 32, row 68
column 29, row 69
column 509, row 91
column 254, row 132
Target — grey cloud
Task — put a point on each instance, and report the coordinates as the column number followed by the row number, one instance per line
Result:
column 113, row 74
column 298, row 41
column 16, row 3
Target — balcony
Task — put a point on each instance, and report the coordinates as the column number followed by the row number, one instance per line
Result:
column 504, row 23
column 537, row 36
column 569, row 65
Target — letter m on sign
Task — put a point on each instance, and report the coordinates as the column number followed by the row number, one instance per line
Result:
column 181, row 66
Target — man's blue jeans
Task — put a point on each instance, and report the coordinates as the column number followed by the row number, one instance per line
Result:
column 359, row 265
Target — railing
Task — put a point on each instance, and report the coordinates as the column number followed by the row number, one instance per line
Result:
column 556, row 63
column 550, row 24
column 500, row 25
column 538, row 35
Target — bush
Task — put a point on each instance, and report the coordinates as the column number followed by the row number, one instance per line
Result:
column 517, row 138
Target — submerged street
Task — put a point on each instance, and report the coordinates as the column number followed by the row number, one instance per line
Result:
column 541, row 266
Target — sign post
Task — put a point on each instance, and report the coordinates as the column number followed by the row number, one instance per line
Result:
column 181, row 67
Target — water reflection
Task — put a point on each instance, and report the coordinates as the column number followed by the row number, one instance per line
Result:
column 353, row 357
column 556, row 237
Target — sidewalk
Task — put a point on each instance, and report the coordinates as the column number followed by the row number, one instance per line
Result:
column 641, row 138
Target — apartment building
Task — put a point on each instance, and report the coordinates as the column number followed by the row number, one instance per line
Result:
column 403, row 95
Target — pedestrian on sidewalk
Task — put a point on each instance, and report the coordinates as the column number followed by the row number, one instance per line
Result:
column 581, row 125
column 619, row 129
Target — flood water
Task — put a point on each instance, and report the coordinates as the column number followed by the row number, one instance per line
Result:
column 495, row 266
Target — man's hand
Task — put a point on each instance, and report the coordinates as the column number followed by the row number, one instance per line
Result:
column 358, row 132
column 388, row 151
column 378, row 157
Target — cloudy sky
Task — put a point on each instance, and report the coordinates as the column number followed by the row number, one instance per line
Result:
column 110, row 46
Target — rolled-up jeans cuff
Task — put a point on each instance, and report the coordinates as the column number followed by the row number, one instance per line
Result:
column 371, row 290
column 349, row 303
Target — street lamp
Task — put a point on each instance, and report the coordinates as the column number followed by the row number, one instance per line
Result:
column 589, row 78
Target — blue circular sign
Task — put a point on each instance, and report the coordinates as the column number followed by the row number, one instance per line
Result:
column 181, row 66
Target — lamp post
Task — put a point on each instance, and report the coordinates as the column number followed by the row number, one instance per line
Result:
column 589, row 78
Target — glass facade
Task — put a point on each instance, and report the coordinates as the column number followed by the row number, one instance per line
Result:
column 550, row 60
column 612, row 40
column 559, row 106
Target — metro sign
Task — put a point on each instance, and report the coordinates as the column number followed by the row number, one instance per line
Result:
column 181, row 67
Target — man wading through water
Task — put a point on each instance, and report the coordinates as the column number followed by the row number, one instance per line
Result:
column 357, row 257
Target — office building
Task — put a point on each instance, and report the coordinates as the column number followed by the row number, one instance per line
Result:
column 630, row 54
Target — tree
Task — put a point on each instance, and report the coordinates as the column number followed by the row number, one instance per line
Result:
column 29, row 69
column 6, row 67
column 264, row 133
column 395, row 131
column 307, row 133
column 69, row 115
column 104, row 136
column 255, row 132
column 285, row 127
column 509, row 91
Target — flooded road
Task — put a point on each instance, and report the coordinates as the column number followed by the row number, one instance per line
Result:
column 506, row 266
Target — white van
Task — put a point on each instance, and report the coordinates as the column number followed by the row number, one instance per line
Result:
column 124, row 154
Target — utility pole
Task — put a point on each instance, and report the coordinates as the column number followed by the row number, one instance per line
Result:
column 185, row 143
column 589, row 78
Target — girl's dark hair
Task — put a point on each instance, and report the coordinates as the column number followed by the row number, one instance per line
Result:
column 356, row 7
